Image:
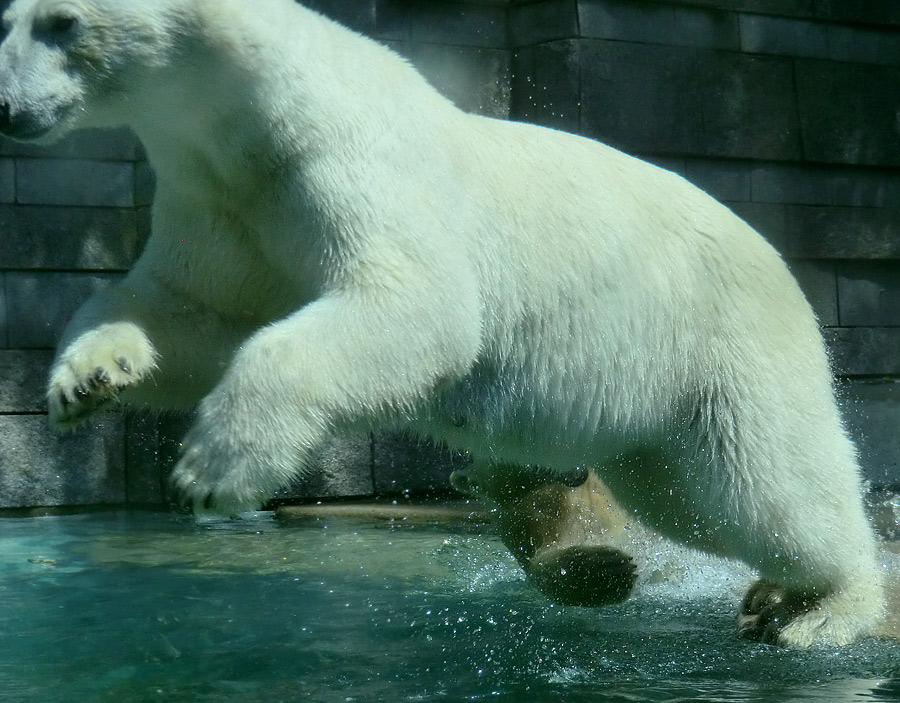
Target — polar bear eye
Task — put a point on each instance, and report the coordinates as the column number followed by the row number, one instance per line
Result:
column 62, row 24
column 59, row 25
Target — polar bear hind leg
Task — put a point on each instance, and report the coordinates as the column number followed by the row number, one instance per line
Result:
column 560, row 528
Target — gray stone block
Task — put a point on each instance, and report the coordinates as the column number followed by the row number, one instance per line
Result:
column 144, row 184
column 641, row 98
column 674, row 164
column 39, row 305
column 723, row 180
column 788, row 183
column 403, row 465
column 869, row 294
column 392, row 19
column 459, row 24
column 7, row 181
column 101, row 144
column 864, row 351
column 848, row 112
column 538, row 22
column 871, row 413
column 144, row 478
column 171, row 428
column 343, row 468
column 41, row 237
column 748, row 106
column 23, row 380
column 652, row 23
column 818, row 280
column 41, row 467
column 786, row 8
column 153, row 446
column 866, row 187
column 144, row 217
column 843, row 233
column 357, row 14
column 75, row 182
column 706, row 28
column 883, row 12
column 761, row 34
column 863, row 45
column 546, row 85
column 476, row 80
column 4, row 326
column 769, row 219
column 626, row 21
column 665, row 99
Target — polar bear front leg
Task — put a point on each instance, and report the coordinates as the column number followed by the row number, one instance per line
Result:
column 337, row 362
column 241, row 449
column 92, row 369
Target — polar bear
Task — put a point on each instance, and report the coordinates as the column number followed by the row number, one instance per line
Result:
column 336, row 246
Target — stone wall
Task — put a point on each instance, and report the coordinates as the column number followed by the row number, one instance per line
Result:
column 787, row 110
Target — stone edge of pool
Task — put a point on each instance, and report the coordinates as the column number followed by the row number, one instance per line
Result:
column 412, row 512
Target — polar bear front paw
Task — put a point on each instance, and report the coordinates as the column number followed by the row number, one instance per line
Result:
column 230, row 461
column 215, row 475
column 91, row 371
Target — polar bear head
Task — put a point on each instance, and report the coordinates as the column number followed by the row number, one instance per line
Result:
column 71, row 63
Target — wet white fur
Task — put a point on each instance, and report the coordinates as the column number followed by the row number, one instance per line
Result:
column 336, row 246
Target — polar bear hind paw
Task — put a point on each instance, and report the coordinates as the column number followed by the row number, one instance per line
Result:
column 774, row 615
column 91, row 371
column 589, row 576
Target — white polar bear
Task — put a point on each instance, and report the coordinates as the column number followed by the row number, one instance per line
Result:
column 337, row 246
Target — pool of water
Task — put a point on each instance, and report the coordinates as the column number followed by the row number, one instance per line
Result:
column 158, row 607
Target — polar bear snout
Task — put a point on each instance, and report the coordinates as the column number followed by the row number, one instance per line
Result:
column 23, row 125
column 38, row 84
column 30, row 118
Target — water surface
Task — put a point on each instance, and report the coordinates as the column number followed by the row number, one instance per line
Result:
column 157, row 607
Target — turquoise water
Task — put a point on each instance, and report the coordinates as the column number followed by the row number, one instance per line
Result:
column 156, row 607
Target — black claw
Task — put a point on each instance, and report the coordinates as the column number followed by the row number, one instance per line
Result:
column 124, row 365
column 208, row 502
column 81, row 392
column 101, row 376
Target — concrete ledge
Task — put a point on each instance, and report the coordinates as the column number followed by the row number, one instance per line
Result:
column 444, row 511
